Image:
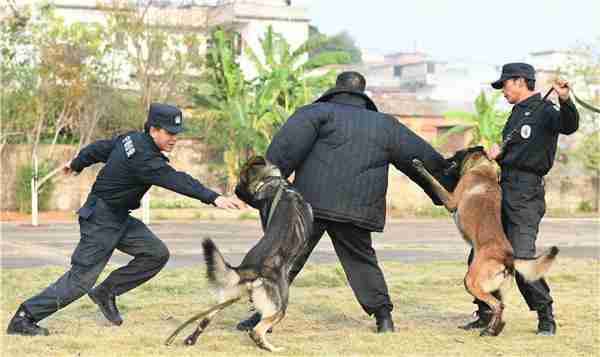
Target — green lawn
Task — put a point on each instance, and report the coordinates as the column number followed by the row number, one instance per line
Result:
column 323, row 318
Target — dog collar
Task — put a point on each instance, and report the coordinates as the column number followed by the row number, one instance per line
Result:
column 271, row 172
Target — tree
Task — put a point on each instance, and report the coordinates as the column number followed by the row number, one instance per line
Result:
column 242, row 115
column 18, row 79
column 341, row 44
column 51, row 68
column 486, row 123
column 583, row 70
column 588, row 153
column 155, row 59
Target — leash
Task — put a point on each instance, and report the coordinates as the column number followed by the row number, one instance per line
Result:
column 587, row 106
column 274, row 204
column 517, row 127
column 578, row 100
column 198, row 316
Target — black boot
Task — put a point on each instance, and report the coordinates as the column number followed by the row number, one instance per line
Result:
column 24, row 324
column 105, row 299
column 384, row 321
column 546, row 324
column 249, row 323
column 484, row 317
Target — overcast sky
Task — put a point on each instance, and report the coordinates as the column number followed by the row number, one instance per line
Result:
column 483, row 30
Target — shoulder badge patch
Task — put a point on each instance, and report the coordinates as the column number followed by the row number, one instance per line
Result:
column 128, row 146
column 525, row 131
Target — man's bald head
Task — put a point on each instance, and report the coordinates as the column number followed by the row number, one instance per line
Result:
column 351, row 80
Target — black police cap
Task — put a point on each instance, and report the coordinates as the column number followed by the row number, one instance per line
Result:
column 514, row 70
column 166, row 116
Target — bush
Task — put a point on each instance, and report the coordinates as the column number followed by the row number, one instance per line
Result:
column 23, row 193
column 585, row 206
column 174, row 204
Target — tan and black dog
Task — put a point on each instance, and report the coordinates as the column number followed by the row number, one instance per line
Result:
column 263, row 274
column 476, row 205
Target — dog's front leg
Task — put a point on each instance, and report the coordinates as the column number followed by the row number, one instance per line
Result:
column 443, row 194
column 258, row 334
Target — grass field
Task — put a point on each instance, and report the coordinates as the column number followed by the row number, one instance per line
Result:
column 323, row 318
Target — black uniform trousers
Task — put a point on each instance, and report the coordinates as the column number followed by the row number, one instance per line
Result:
column 102, row 231
column 354, row 249
column 523, row 206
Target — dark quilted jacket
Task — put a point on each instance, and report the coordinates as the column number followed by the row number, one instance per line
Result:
column 340, row 149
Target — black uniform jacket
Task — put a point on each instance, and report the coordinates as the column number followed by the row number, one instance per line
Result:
column 133, row 164
column 340, row 148
column 532, row 147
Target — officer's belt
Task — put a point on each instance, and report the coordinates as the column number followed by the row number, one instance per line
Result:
column 509, row 173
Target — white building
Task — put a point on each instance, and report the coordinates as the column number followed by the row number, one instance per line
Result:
column 248, row 18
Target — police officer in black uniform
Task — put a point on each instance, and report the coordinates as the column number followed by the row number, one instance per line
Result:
column 133, row 163
column 529, row 146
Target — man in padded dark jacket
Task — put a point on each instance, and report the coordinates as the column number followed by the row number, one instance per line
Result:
column 340, row 148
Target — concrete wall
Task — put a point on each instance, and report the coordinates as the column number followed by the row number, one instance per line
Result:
column 189, row 156
column 565, row 188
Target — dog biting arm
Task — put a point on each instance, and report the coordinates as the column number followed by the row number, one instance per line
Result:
column 407, row 146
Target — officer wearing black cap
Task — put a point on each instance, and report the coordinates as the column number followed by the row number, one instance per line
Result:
column 527, row 154
column 133, row 163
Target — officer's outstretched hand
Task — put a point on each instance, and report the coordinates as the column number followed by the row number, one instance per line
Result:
column 228, row 203
column 67, row 170
column 562, row 89
column 494, row 152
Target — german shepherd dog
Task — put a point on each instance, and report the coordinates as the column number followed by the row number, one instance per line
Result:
column 263, row 274
column 476, row 207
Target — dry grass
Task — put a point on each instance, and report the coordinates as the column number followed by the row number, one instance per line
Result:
column 323, row 318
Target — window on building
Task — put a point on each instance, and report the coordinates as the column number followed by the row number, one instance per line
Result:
column 398, row 71
column 430, row 67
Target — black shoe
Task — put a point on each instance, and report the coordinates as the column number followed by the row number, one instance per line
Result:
column 384, row 322
column 24, row 324
column 484, row 317
column 105, row 299
column 546, row 324
column 249, row 323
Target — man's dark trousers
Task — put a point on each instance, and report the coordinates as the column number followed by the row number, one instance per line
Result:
column 353, row 247
column 102, row 231
column 523, row 206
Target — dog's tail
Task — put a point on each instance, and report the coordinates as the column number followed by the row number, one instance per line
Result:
column 535, row 268
column 219, row 273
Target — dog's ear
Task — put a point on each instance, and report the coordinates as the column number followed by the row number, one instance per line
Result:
column 256, row 160
column 245, row 171
column 476, row 149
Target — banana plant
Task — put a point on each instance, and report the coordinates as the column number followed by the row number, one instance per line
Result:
column 242, row 115
column 486, row 123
